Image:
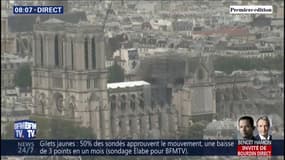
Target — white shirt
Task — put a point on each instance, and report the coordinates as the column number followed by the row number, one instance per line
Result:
column 264, row 138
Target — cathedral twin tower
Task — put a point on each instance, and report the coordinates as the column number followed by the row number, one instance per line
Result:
column 69, row 74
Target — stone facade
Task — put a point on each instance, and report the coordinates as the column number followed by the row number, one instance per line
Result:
column 133, row 116
column 69, row 75
column 197, row 99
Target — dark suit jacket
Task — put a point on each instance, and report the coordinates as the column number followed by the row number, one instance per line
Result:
column 258, row 137
column 252, row 138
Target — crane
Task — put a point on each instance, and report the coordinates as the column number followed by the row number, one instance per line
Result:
column 106, row 16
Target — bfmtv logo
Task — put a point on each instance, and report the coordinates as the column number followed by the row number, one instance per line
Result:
column 25, row 129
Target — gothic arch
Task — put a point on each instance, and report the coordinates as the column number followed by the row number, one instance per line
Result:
column 72, row 53
column 201, row 73
column 25, row 43
column 56, row 50
column 71, row 107
column 18, row 48
column 42, row 103
column 41, row 50
column 62, row 52
column 58, row 100
column 123, row 100
column 141, row 101
column 93, row 101
column 94, row 97
column 133, row 102
column 86, row 51
column 93, row 50
column 113, row 103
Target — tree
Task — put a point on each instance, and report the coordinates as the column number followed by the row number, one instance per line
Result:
column 68, row 129
column 23, row 76
column 115, row 73
column 195, row 131
column 230, row 64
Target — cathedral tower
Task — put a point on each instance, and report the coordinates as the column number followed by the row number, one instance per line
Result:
column 69, row 75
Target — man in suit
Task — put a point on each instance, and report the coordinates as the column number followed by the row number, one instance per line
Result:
column 263, row 125
column 246, row 127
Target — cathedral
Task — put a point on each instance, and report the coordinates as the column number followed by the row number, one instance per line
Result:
column 69, row 80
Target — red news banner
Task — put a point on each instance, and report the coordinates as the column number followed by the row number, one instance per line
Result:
column 254, row 148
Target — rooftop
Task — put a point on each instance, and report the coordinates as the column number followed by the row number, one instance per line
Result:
column 221, row 125
column 127, row 84
column 24, row 23
column 53, row 20
column 12, row 58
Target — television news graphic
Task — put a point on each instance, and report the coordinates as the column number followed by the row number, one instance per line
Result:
column 149, row 147
column 254, row 148
column 251, row 10
column 25, row 129
column 38, row 9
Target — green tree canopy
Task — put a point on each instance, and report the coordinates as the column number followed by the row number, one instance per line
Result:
column 23, row 76
column 230, row 64
column 115, row 73
column 195, row 131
